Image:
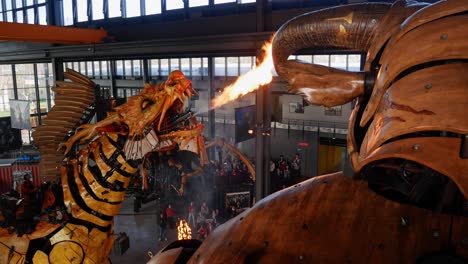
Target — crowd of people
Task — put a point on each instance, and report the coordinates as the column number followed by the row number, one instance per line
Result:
column 201, row 221
column 284, row 172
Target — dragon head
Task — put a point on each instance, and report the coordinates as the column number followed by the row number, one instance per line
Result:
column 147, row 111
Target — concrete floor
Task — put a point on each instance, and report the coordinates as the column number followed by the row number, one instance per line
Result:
column 143, row 231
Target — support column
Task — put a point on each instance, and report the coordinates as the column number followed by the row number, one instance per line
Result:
column 211, row 112
column 259, row 147
column 112, row 72
column 146, row 74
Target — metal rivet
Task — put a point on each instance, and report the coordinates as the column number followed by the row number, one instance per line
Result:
column 403, row 221
column 416, row 146
column 444, row 37
column 435, row 233
column 301, row 257
column 428, row 86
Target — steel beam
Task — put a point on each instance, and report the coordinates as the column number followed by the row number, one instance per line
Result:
column 49, row 34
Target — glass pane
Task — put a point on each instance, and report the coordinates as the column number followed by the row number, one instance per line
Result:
column 193, row 3
column 174, row 4
column 154, row 71
column 41, row 1
column 119, row 68
column 67, row 12
column 232, row 66
column 133, row 8
column 128, row 68
column 247, row 1
column 19, row 3
column 354, row 62
column 224, row 1
column 164, row 67
column 6, row 88
column 220, row 66
column 83, row 68
column 10, row 16
column 305, row 58
column 175, row 64
column 105, row 69
column 30, row 14
column 82, row 10
column 152, row 7
column 97, row 69
column 338, row 61
column 205, row 67
column 114, row 8
column 137, row 68
column 8, row 5
column 196, row 67
column 89, row 68
column 42, row 15
column 321, row 60
column 97, row 9
column 185, row 66
column 29, row 2
column 1, row 16
column 246, row 64
column 19, row 16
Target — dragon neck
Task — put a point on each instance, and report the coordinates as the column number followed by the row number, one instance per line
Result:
column 94, row 183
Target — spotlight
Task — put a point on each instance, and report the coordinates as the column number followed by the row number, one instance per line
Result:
column 250, row 131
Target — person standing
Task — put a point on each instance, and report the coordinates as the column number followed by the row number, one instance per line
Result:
column 296, row 167
column 170, row 216
column 204, row 210
column 191, row 214
column 27, row 188
column 162, row 226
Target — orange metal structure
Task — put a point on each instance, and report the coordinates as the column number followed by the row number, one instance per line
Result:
column 49, row 34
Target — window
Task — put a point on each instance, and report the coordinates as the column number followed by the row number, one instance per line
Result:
column 164, row 67
column 246, row 64
column 114, row 8
column 174, row 4
column 98, row 9
column 119, row 68
column 19, row 16
column 83, row 68
column 154, row 68
column 30, row 16
column 127, row 68
column 42, row 15
column 354, row 62
column 224, row 1
column 195, row 3
column 67, row 12
column 338, row 61
column 152, row 7
column 196, row 67
column 322, row 60
column 174, row 65
column 6, row 89
column 82, row 6
column 105, row 69
column 132, row 8
column 220, row 66
column 97, row 69
column 232, row 66
column 185, row 66
column 89, row 69
column 305, row 58
column 137, row 68
column 247, row 1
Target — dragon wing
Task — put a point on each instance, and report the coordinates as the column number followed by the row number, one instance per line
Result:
column 73, row 107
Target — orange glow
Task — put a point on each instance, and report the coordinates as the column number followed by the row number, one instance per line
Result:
column 250, row 81
column 183, row 230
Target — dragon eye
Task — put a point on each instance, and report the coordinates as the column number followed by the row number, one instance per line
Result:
column 146, row 103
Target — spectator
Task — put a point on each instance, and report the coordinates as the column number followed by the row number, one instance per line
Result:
column 202, row 232
column 204, row 210
column 162, row 226
column 170, row 216
column 296, row 167
column 191, row 214
column 27, row 188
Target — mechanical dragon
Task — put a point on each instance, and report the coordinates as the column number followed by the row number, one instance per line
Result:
column 94, row 177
